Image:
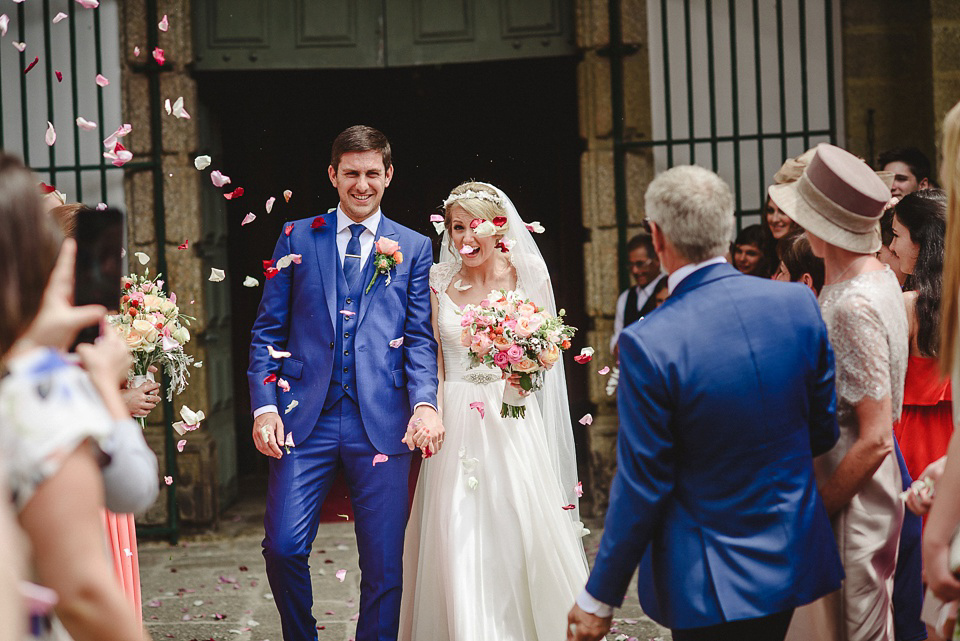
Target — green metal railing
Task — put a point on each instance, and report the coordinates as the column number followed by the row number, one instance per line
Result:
column 52, row 170
column 624, row 144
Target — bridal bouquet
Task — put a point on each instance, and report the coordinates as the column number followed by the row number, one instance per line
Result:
column 510, row 332
column 155, row 331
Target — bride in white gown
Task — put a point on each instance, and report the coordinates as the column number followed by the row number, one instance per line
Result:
column 492, row 548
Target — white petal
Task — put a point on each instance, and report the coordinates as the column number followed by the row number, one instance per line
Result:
column 586, row 351
column 85, row 124
column 20, row 46
column 249, row 218
column 136, row 52
column 269, row 205
column 291, row 406
column 60, row 16
column 277, row 353
column 440, row 228
column 143, row 258
column 216, row 275
column 164, row 24
column 4, row 23
column 166, row 106
column 218, row 179
column 250, row 281
column 101, row 79
column 201, row 162
column 287, row 195
column 89, row 4
column 179, row 111
column 51, row 135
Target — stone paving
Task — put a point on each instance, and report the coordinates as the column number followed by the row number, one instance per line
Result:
column 212, row 585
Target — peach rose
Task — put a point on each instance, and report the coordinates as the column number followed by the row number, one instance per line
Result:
column 146, row 329
column 527, row 326
column 526, row 365
column 501, row 343
column 481, row 344
column 526, row 309
column 465, row 337
column 387, row 246
column 549, row 357
column 398, row 256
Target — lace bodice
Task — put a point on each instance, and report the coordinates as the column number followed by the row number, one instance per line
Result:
column 867, row 324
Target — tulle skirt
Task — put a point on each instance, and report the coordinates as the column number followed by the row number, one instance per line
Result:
column 122, row 545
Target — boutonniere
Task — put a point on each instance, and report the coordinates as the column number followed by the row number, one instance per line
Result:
column 387, row 257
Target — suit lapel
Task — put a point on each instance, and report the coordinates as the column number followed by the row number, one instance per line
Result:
column 328, row 263
column 386, row 230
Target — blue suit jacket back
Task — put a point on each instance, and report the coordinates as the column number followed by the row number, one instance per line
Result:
column 298, row 314
column 726, row 394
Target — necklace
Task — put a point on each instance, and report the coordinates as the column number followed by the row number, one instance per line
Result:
column 853, row 262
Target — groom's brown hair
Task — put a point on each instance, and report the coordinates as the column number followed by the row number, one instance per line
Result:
column 360, row 138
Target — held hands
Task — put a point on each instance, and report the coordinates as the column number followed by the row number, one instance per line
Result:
column 424, row 430
column 582, row 626
column 268, row 434
column 141, row 400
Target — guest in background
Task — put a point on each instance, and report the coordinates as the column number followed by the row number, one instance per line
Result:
column 645, row 269
column 838, row 201
column 910, row 168
column 749, row 256
column 886, row 256
column 798, row 264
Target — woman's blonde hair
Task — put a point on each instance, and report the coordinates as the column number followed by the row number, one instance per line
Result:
column 477, row 199
column 950, row 175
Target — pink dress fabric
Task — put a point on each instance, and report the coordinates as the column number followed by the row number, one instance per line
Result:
column 122, row 543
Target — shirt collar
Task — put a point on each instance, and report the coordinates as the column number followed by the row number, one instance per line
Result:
column 372, row 223
column 679, row 274
column 648, row 290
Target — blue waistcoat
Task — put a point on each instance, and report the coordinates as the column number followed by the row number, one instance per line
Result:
column 343, row 381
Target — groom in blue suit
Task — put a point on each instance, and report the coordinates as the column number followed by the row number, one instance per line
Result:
column 346, row 351
column 726, row 395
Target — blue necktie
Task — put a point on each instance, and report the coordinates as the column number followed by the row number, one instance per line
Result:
column 351, row 260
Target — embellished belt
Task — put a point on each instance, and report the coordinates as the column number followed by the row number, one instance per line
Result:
column 481, row 377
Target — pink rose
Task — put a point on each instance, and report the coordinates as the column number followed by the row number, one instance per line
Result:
column 465, row 337
column 500, row 360
column 527, row 326
column 515, row 354
column 481, row 344
column 526, row 309
column 387, row 246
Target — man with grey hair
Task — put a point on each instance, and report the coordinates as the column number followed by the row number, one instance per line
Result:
column 726, row 395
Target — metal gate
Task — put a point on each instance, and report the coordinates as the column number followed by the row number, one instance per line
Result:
column 737, row 86
column 53, row 76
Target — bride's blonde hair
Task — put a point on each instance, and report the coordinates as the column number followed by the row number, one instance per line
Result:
column 477, row 199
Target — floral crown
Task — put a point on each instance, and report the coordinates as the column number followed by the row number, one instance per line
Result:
column 471, row 194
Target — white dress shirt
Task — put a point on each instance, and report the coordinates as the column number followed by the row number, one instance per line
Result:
column 643, row 295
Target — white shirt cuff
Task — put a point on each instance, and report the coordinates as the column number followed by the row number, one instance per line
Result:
column 591, row 606
column 263, row 410
column 428, row 405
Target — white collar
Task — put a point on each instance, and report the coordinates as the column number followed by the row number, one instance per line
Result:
column 648, row 290
column 677, row 275
column 371, row 222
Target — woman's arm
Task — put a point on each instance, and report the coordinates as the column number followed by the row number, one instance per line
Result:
column 872, row 446
column 12, row 611
column 62, row 521
column 941, row 525
column 434, row 313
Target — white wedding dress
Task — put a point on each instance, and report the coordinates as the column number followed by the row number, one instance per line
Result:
column 490, row 554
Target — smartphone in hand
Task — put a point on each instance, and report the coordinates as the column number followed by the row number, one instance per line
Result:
column 99, row 265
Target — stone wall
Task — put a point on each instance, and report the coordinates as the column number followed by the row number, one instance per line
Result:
column 945, row 25
column 198, row 475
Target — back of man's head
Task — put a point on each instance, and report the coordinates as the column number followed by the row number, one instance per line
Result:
column 912, row 157
column 694, row 209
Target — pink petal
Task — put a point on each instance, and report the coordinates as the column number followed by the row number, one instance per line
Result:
column 164, row 24
column 478, row 406
column 269, row 205
column 59, row 75
column 136, row 52
column 436, row 218
column 51, row 136
column 288, row 442
column 466, row 250
column 249, row 218
column 169, row 481
column 271, row 378
column 59, row 17
column 341, row 574
column 583, row 358
column 85, row 124
column 284, row 385
column 180, row 444
column 287, row 194
column 604, row 371
column 288, row 229
column 347, row 313
column 169, row 344
column 89, row 4
column 158, row 55
column 578, row 489
column 33, row 64
column 218, row 179
column 101, row 79
column 586, row 420
column 397, row 342
column 184, row 244
column 380, row 458
column 571, row 506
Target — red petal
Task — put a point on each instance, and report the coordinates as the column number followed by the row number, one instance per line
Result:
column 569, row 507
column 500, row 221
column 475, row 222
column 270, row 379
column 288, row 229
column 184, row 245
column 59, row 76
column 318, row 222
column 118, row 147
column 159, row 56
column 236, row 193
column 268, row 264
column 270, row 272
column 32, row 65
column 583, row 358
column 47, row 189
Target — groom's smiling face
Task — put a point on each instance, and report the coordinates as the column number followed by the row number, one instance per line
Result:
column 360, row 180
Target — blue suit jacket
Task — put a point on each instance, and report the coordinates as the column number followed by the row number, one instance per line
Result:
column 726, row 394
column 298, row 314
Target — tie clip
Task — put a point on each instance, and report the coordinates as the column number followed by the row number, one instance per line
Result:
column 352, row 255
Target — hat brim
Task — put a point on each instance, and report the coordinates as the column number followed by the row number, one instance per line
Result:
column 791, row 203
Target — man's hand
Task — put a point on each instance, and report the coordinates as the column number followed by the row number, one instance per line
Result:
column 141, row 400
column 586, row 627
column 268, row 434
column 424, row 430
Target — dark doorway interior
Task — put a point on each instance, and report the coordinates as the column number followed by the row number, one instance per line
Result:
column 510, row 123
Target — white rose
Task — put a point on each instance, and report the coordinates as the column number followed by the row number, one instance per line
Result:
column 181, row 335
column 167, row 306
column 145, row 329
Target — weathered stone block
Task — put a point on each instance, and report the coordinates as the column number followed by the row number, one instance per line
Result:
column 600, row 259
column 139, row 191
column 946, row 47
column 881, row 53
column 599, row 338
column 136, row 111
column 179, row 134
column 181, row 197
column 597, row 193
column 945, row 10
column 634, row 21
column 640, row 171
column 889, row 115
column 946, row 93
column 637, row 106
column 592, row 27
column 133, row 18
column 594, row 81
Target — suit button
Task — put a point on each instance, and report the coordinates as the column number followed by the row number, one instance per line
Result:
column 349, row 301
column 346, row 387
column 346, row 370
column 332, row 345
column 346, row 352
column 346, row 334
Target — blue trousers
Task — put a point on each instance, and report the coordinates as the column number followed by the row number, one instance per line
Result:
column 907, row 579
column 299, row 482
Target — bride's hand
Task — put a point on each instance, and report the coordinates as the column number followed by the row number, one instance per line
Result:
column 425, row 430
column 514, row 381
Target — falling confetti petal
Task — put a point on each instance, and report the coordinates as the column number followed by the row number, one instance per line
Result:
column 102, row 80
column 604, row 371
column 288, row 229
column 180, row 444
column 164, row 24
column 178, row 110
column 32, row 65
column 59, row 75
column 4, row 23
column 236, row 193
column 535, row 227
column 578, row 488
column 341, row 575
column 397, row 342
column 289, row 259
column 347, row 313
column 318, row 222
column 478, row 406
column 169, row 481
column 184, row 244
column 284, row 385
column 586, row 420
column 51, row 135
column 218, row 179
column 288, row 442
column 136, row 52
column 216, row 275
column 59, row 17
column 585, row 356
column 466, row 250
column 291, row 406
column 250, row 281
column 85, row 124
column 110, row 142
column 271, row 378
column 143, row 258
column 103, row 207
column 570, row 506
column 269, row 205
column 440, row 228
column 89, row 4
column 201, row 162
column 158, row 55
column 20, row 46
column 380, row 458
column 287, row 194
column 277, row 353
column 249, row 218
column 436, row 218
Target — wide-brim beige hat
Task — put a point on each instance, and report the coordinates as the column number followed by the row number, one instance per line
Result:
column 838, row 198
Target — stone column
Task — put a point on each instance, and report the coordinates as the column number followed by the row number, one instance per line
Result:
column 945, row 26
column 599, row 216
column 198, row 486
